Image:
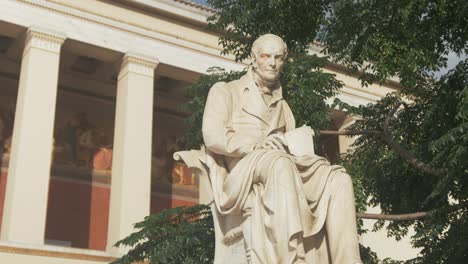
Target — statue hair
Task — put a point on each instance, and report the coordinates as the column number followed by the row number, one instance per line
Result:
column 268, row 37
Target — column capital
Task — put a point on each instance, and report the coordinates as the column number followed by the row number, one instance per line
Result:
column 139, row 64
column 44, row 39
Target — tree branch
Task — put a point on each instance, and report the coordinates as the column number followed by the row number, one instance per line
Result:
column 412, row 216
column 387, row 137
column 405, row 154
column 350, row 132
column 392, row 217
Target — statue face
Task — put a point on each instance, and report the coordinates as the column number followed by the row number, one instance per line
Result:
column 268, row 60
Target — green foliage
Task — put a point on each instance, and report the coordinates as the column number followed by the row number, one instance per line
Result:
column 408, row 39
column 369, row 257
column 243, row 21
column 178, row 235
column 306, row 88
column 433, row 127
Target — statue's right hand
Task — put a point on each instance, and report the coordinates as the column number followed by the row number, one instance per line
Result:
column 274, row 141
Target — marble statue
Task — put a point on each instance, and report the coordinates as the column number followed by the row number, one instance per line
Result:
column 271, row 204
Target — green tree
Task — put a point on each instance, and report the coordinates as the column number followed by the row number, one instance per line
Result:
column 412, row 155
column 178, row 235
column 416, row 159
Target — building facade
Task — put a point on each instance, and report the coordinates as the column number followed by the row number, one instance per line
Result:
column 90, row 95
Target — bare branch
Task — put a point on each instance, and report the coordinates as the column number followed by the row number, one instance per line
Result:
column 412, row 216
column 350, row 132
column 392, row 217
column 408, row 156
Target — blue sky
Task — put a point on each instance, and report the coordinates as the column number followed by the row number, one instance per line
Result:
column 203, row 2
column 452, row 60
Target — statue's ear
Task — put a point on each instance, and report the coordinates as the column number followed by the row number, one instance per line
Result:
column 254, row 59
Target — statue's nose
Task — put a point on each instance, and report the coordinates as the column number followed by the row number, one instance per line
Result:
column 272, row 62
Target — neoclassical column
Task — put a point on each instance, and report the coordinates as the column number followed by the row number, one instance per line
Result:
column 25, row 207
column 131, row 165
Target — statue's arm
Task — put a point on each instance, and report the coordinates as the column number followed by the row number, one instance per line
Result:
column 289, row 117
column 218, row 136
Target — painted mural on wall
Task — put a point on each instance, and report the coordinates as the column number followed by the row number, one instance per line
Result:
column 83, row 141
column 170, row 178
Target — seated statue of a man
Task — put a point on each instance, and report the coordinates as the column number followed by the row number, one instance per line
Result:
column 294, row 208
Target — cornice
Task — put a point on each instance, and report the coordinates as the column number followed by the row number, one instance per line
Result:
column 140, row 30
column 182, row 10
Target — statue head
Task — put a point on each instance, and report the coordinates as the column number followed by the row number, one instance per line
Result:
column 269, row 53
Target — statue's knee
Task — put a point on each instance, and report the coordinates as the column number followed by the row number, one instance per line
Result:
column 282, row 163
column 342, row 180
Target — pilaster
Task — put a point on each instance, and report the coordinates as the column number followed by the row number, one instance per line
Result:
column 25, row 209
column 131, row 169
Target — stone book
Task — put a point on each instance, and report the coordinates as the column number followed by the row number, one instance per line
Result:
column 300, row 141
